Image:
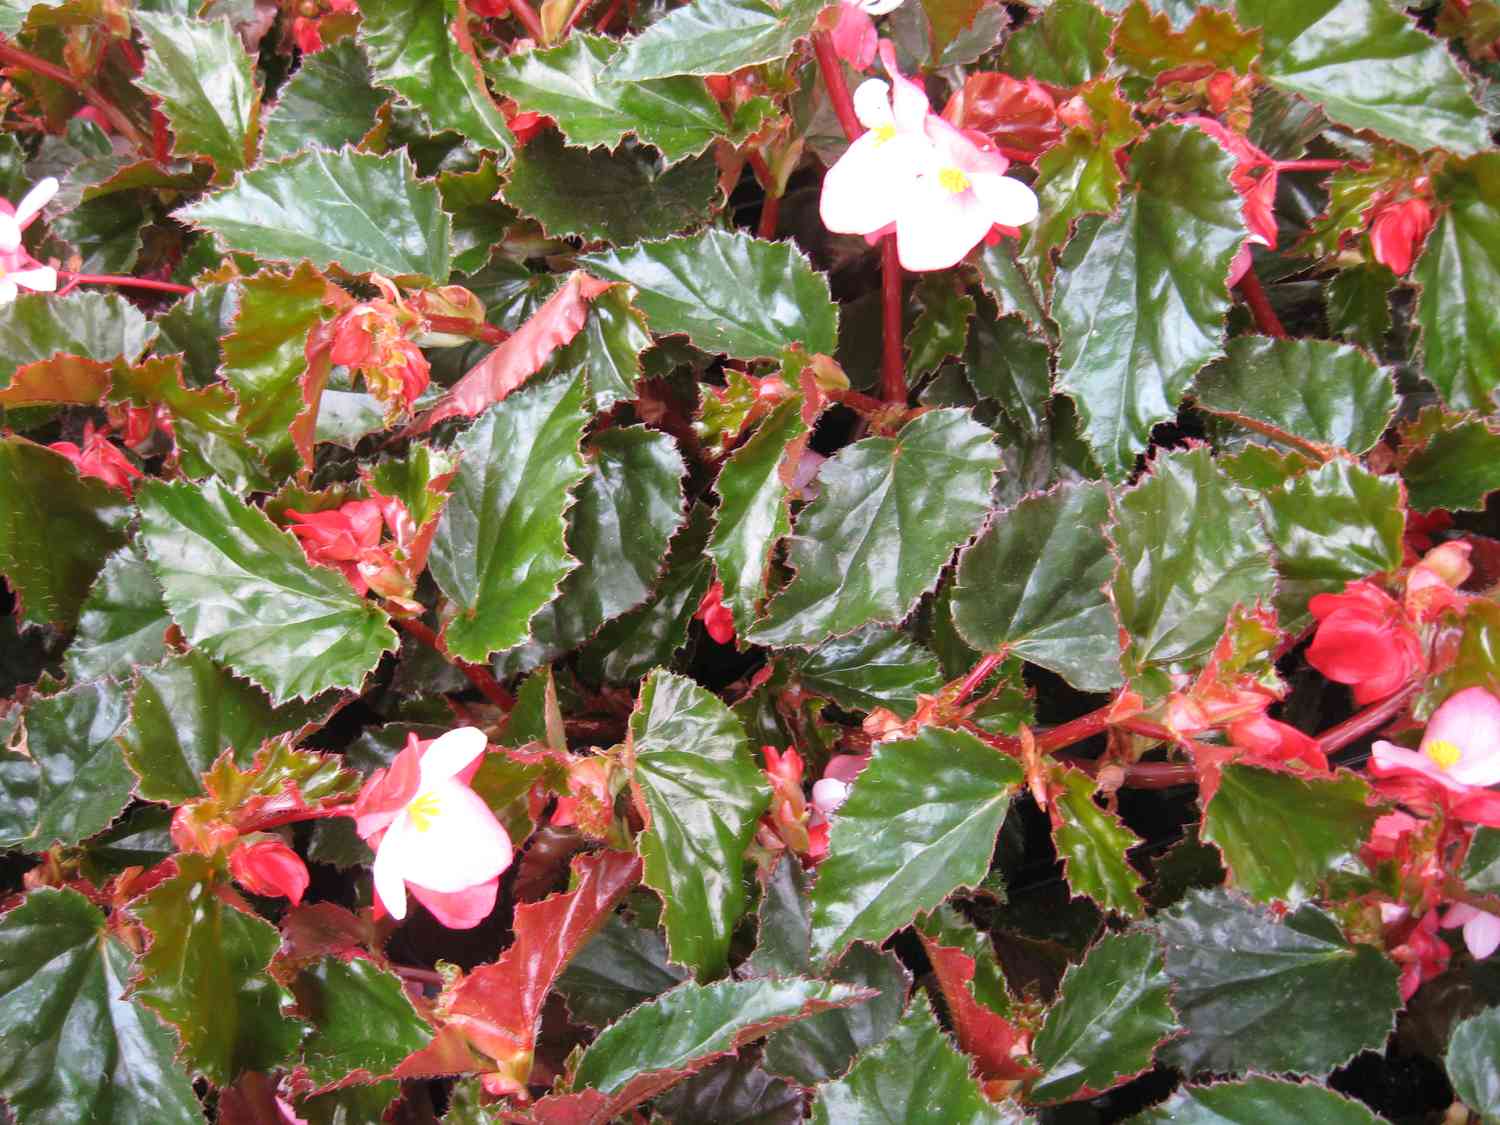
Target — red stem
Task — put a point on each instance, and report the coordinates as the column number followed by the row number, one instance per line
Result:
column 770, row 208
column 124, row 281
column 458, row 326
column 1075, row 730
column 1260, row 306
column 300, row 815
column 1317, row 452
column 528, row 18
column 860, row 403
column 479, row 676
column 15, row 56
column 977, row 675
column 420, row 976
column 609, row 15
column 1141, row 775
column 833, row 81
column 893, row 386
column 1310, row 165
column 1366, row 722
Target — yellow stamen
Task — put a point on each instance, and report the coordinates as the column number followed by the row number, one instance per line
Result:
column 1443, row 752
column 423, row 810
column 953, row 180
column 884, row 133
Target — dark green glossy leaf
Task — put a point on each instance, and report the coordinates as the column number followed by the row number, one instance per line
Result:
column 942, row 327
column 81, row 779
column 1258, row 994
column 194, row 326
column 727, row 291
column 1140, row 296
column 204, row 973
column 104, row 233
column 610, row 197
column 683, row 1030
column 623, row 965
column 1331, row 394
column 356, row 210
column 330, row 102
column 915, row 1076
column 888, row 515
column 1190, row 548
column 422, row 50
column 1005, row 362
column 241, row 589
column 752, row 514
column 946, row 928
column 1461, row 262
column 1092, row 843
column 103, row 326
column 702, row 794
column 608, row 349
column 1110, row 1015
column 201, row 77
column 1365, row 64
column 498, row 553
column 75, row 1049
column 123, row 621
column 1257, row 1101
column 362, row 1020
column 1336, row 523
column 56, row 530
column 873, row 667
column 1282, row 835
column 920, row 822
column 715, row 37
column 1456, row 470
column 733, row 1092
column 1481, row 870
column 1473, row 1062
column 1033, row 585
column 1358, row 301
column 1012, row 287
column 569, row 84
column 1064, row 46
column 185, row 711
column 351, row 1105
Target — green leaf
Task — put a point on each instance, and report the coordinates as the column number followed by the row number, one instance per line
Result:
column 1092, row 843
column 734, row 1091
column 1473, row 1062
column 703, row 794
column 1456, row 470
column 1481, row 870
column 1281, row 835
column 1257, row 1101
column 569, row 83
column 81, row 781
column 498, row 553
column 608, row 348
column 362, row 1020
column 104, row 233
column 241, row 589
column 1010, row 284
column 1005, row 362
column 752, row 515
column 920, row 822
column 621, row 967
column 37, row 326
column 56, row 530
column 598, row 196
column 1140, row 297
column 361, row 212
column 201, row 76
column 915, row 1076
column 1033, row 585
column 1330, row 394
column 204, row 973
column 683, row 1030
column 1258, row 994
column 888, row 515
column 1063, row 46
column 872, row 667
column 715, row 37
column 422, row 50
column 1336, row 523
column 1461, row 262
column 1365, row 64
column 1190, row 548
column 123, row 621
column 727, row 291
column 75, row 1048
column 942, row 327
column 1110, row 1015
column 1358, row 302
column 185, row 712
column 194, row 327
column 330, row 102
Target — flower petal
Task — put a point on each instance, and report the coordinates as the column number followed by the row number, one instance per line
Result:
column 7, row 291
column 1388, row 759
column 390, row 884
column 34, row 200
column 936, row 227
column 1011, row 202
column 42, row 279
column 10, row 234
column 1482, row 934
column 863, row 190
column 450, row 755
column 872, row 102
column 457, row 844
column 461, row 910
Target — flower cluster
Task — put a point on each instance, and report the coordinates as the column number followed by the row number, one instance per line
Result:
column 349, row 539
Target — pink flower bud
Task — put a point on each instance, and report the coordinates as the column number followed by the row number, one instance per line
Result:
column 263, row 865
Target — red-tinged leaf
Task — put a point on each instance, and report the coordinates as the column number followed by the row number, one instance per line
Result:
column 571, row 1109
column 982, row 1032
column 321, row 929
column 317, row 352
column 280, row 786
column 521, row 356
column 498, row 1006
column 61, row 379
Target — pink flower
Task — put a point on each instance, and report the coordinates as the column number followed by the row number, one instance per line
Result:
column 263, row 865
column 431, row 831
column 715, row 615
column 1363, row 640
column 1397, row 232
column 18, row 269
column 1423, row 955
column 98, row 459
column 1481, row 930
column 1254, row 177
column 340, row 537
column 1460, row 750
column 854, row 36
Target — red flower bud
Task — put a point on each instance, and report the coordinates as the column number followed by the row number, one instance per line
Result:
column 98, row 459
column 1398, row 231
column 340, row 537
column 715, row 615
column 263, row 865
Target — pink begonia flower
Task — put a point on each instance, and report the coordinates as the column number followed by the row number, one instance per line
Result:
column 1481, row 929
column 432, row 833
column 941, row 192
column 854, row 36
column 18, row 269
column 98, row 458
column 1458, row 759
column 1254, row 177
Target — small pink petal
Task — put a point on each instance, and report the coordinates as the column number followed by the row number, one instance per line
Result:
column 1389, row 759
column 1482, row 934
column 854, row 37
column 1470, row 721
column 1011, row 203
column 390, row 882
column 459, row 910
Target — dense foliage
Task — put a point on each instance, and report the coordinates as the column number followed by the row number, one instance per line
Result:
column 749, row 561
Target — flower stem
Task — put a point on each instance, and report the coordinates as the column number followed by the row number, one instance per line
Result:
column 893, row 386
column 1365, row 722
column 1141, row 775
column 458, row 326
column 1310, row 165
column 15, row 56
column 977, row 675
column 1317, row 452
column 770, row 208
column 528, row 18
column 124, row 281
column 1260, row 306
column 477, row 675
column 833, row 81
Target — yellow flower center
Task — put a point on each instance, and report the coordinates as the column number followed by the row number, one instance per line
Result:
column 953, row 180
column 1443, row 752
column 884, row 133
column 423, row 810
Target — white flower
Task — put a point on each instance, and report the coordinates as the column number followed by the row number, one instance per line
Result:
column 18, row 269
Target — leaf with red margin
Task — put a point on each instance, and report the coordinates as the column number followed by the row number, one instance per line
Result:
column 498, row 1006
column 521, row 356
column 984, row 1034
